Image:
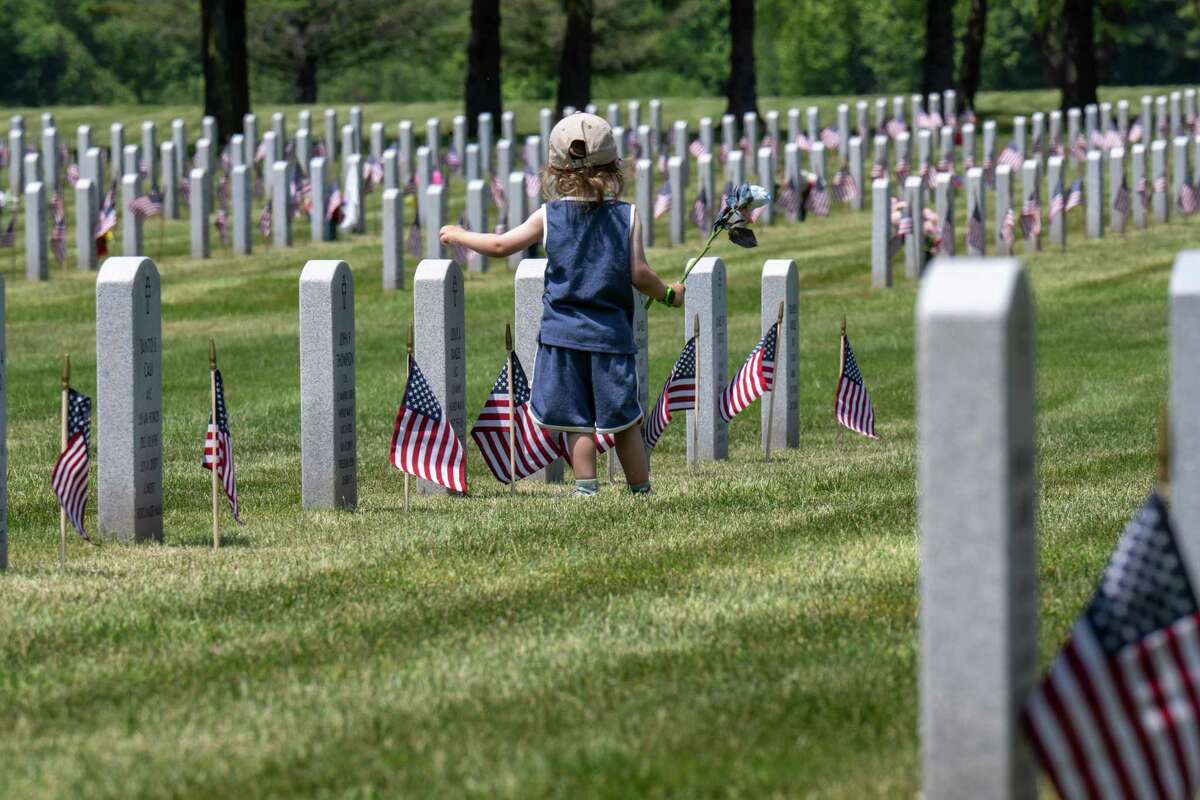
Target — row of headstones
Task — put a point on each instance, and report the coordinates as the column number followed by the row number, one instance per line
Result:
column 977, row 489
column 1104, row 177
column 129, row 420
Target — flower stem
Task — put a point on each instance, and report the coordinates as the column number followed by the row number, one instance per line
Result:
column 691, row 263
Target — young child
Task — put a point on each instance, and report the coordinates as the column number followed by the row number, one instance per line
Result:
column 585, row 376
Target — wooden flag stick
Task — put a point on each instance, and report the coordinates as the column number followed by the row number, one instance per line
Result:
column 1163, row 468
column 62, row 514
column 774, row 377
column 841, row 354
column 699, row 397
column 212, row 421
column 409, row 372
column 512, row 413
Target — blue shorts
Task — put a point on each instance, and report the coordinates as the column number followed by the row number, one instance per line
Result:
column 580, row 391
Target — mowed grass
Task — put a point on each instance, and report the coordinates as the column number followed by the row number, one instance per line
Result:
column 748, row 631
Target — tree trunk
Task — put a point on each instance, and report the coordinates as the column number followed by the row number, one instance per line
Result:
column 972, row 59
column 575, row 66
column 741, row 92
column 483, row 64
column 937, row 72
column 306, row 80
column 226, row 78
column 1079, row 76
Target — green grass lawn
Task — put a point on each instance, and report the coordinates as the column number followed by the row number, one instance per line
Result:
column 748, row 631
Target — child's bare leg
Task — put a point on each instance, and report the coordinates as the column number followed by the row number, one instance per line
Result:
column 582, row 448
column 632, row 451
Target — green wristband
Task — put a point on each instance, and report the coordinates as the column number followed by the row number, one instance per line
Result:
column 668, row 299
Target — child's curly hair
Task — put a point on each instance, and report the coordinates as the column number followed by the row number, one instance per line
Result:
column 597, row 184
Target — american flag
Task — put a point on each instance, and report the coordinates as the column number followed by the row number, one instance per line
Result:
column 975, row 239
column 789, row 198
column 221, row 223
column 755, row 377
column 414, row 236
column 499, row 199
column 333, row 205
column 535, row 447
column 700, row 210
column 372, row 174
column 451, row 160
column 1010, row 156
column 930, row 177
column 879, row 167
column 218, row 438
column 1135, row 131
column 423, row 442
column 1056, row 200
column 679, row 394
column 1031, row 218
column 73, row 173
column 147, row 205
column 1116, row 714
column 905, row 228
column 802, row 142
column 1160, row 184
column 1007, row 233
column 58, row 236
column 902, row 170
column 894, row 128
column 723, row 153
column 261, row 151
column 264, row 220
column 989, row 170
column 845, row 188
column 852, row 406
column 1120, row 202
column 662, row 201
column 1074, row 196
column 458, row 252
column 830, row 138
column 70, row 476
column 1112, row 138
column 818, row 199
column 947, row 239
column 696, row 148
column 1079, row 148
column 929, row 120
column 1187, row 198
column 533, row 183
column 8, row 236
column 108, row 216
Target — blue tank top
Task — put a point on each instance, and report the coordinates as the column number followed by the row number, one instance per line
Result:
column 588, row 302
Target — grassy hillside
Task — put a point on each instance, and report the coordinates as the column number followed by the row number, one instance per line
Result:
column 750, row 630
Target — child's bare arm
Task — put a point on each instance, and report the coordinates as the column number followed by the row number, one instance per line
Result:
column 497, row 245
column 645, row 279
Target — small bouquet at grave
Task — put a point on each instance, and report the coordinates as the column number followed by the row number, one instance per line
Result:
column 734, row 219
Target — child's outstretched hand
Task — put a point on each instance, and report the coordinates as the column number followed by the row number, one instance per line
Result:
column 448, row 233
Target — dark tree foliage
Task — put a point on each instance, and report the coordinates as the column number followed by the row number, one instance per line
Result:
column 1080, row 76
column 741, row 91
column 575, row 65
column 483, row 64
column 971, row 65
column 226, row 76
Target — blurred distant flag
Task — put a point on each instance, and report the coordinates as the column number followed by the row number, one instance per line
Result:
column 1007, row 232
column 679, row 394
column 852, row 406
column 845, row 188
column 879, row 166
column 696, row 148
column 905, row 228
column 789, row 198
column 662, row 201
column 221, row 223
column 499, row 199
column 947, row 239
column 1135, row 131
column 1120, row 202
column 70, row 475
column 818, row 199
column 1056, row 200
column 73, row 173
column 894, row 128
column 423, row 442
column 414, row 236
column 457, row 251
column 1079, row 148
column 533, row 183
column 452, row 160
column 105, row 222
column 147, row 205
column 802, row 142
column 830, row 138
column 1160, row 184
column 1010, row 156
column 1074, row 196
column 699, row 213
column 1031, row 218
column 1186, row 199
column 218, row 447
column 264, row 220
column 1115, row 716
column 1113, row 138
column 58, row 234
column 975, row 239
column 8, row 235
column 333, row 205
column 754, row 378
column 533, row 446
column 372, row 170
column 902, row 170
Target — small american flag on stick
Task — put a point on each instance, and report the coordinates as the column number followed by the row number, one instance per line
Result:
column 662, row 201
column 58, row 236
column 679, row 394
column 852, row 406
column 754, row 378
column 1116, row 714
column 147, row 205
column 70, row 475
column 1187, row 198
column 1120, row 201
column 699, row 213
column 423, row 442
column 1007, row 226
column 534, row 447
column 218, row 445
column 975, row 238
column 413, row 244
column 1031, row 218
column 1074, row 196
column 845, row 188
column 1057, row 200
column 1010, row 156
column 818, row 199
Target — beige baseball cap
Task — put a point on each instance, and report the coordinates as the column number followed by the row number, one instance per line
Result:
column 582, row 140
